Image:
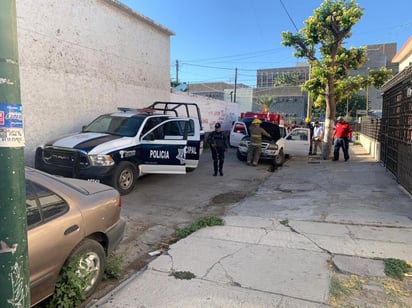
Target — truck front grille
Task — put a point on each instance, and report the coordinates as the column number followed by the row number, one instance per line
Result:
column 64, row 158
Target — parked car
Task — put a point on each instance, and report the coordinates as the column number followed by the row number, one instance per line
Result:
column 241, row 128
column 272, row 148
column 67, row 218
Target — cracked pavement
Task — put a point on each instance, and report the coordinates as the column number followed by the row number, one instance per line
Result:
column 278, row 246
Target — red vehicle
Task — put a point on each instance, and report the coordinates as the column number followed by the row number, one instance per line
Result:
column 240, row 128
column 272, row 117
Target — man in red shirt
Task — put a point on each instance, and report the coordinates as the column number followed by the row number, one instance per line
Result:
column 342, row 134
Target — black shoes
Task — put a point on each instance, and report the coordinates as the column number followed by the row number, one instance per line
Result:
column 221, row 173
column 215, row 174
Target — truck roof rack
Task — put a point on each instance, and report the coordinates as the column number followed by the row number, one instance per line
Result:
column 140, row 110
column 176, row 107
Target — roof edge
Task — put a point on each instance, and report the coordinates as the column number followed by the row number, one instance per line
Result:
column 404, row 51
column 139, row 16
column 403, row 75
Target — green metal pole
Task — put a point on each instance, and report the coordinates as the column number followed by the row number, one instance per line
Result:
column 14, row 260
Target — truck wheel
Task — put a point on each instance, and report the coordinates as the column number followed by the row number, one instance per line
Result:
column 240, row 156
column 280, row 158
column 124, row 177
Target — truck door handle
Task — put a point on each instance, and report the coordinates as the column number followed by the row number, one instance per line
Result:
column 71, row 229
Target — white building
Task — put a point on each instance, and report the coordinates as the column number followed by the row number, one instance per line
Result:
column 81, row 58
column 404, row 55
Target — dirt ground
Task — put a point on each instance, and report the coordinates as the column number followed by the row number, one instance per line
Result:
column 372, row 292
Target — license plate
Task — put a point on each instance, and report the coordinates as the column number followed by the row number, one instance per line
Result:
column 93, row 180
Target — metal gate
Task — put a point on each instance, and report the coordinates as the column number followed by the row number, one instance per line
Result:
column 395, row 133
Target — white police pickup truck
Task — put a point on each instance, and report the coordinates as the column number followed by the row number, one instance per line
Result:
column 118, row 148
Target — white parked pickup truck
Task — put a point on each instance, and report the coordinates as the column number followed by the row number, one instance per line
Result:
column 272, row 148
column 297, row 142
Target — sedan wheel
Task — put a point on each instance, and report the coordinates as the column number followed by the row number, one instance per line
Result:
column 90, row 265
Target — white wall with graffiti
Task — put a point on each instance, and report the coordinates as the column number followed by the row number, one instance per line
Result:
column 81, row 58
column 211, row 110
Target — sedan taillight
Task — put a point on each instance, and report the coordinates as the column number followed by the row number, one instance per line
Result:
column 120, row 202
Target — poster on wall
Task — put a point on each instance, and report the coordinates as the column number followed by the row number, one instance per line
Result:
column 11, row 125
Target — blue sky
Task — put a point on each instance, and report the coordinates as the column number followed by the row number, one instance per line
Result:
column 214, row 37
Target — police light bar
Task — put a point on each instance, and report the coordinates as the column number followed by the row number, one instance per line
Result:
column 124, row 109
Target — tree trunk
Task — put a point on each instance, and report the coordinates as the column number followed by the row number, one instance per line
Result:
column 329, row 119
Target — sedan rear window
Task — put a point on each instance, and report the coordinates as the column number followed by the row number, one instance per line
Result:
column 42, row 204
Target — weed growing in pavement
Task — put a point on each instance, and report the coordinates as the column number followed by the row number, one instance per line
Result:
column 183, row 275
column 396, row 268
column 203, row 222
column 113, row 267
column 337, row 289
column 284, row 222
column 70, row 286
column 73, row 280
column 343, row 287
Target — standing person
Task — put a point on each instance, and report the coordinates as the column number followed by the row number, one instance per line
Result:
column 317, row 137
column 255, row 145
column 342, row 134
column 218, row 145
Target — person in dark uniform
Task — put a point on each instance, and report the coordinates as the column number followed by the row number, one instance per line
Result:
column 218, row 145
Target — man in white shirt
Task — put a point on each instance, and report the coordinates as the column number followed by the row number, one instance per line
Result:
column 317, row 137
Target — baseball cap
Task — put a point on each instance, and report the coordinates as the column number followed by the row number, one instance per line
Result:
column 217, row 125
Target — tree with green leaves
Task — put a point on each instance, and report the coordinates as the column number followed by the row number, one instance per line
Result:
column 264, row 102
column 321, row 42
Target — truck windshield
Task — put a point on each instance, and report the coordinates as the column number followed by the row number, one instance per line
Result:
column 122, row 126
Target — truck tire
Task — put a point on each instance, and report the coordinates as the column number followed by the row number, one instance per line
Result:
column 240, row 156
column 280, row 158
column 124, row 177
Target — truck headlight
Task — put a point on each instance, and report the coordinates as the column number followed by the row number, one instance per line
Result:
column 101, row 160
column 273, row 146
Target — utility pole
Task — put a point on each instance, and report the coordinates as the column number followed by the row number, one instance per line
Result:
column 14, row 263
column 234, row 94
column 177, row 72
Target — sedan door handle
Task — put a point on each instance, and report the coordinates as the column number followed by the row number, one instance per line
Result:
column 71, row 229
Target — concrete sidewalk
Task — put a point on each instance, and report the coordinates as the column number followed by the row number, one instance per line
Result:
column 276, row 247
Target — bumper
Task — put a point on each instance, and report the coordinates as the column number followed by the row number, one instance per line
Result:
column 265, row 154
column 73, row 165
column 115, row 235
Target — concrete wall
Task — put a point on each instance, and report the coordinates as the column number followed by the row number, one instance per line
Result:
column 372, row 146
column 406, row 62
column 81, row 58
column 244, row 98
column 211, row 110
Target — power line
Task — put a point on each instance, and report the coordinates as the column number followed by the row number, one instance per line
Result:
column 252, row 54
column 284, row 7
